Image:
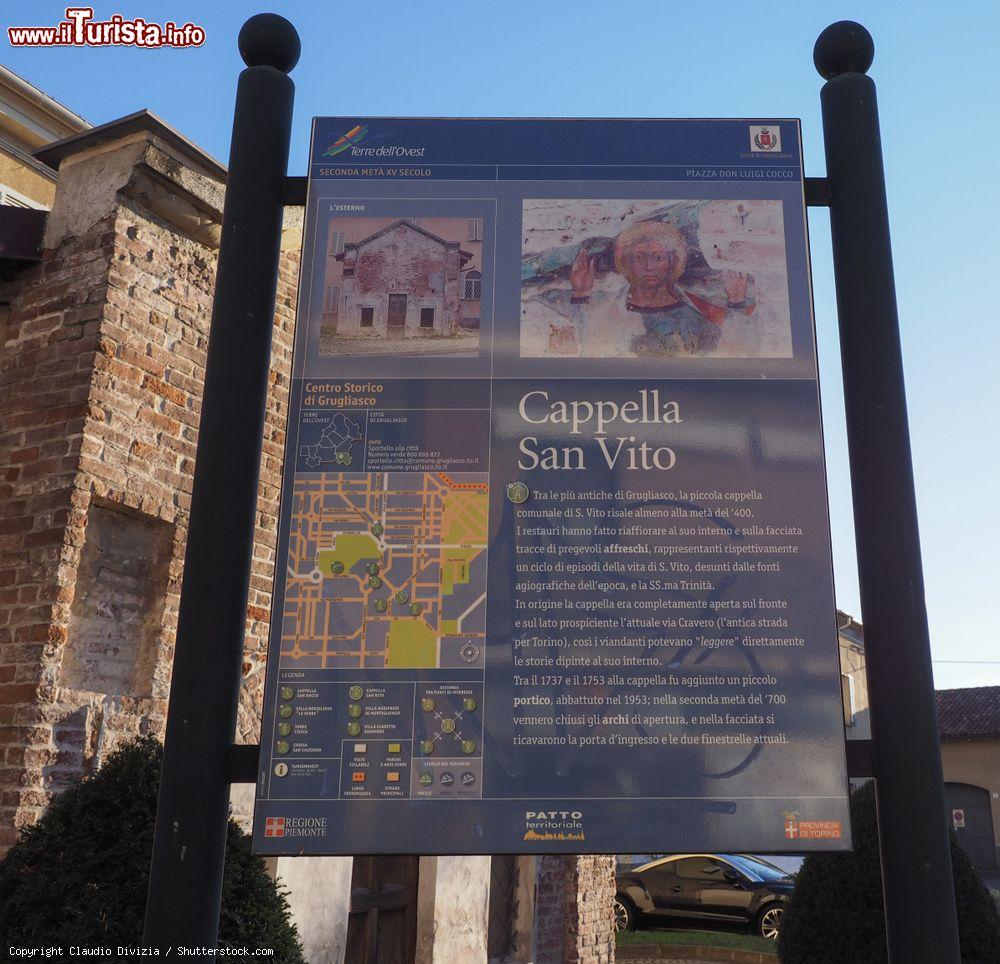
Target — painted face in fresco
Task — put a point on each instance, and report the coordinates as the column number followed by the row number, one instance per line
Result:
column 651, row 268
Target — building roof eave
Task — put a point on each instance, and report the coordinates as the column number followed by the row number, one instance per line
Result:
column 969, row 713
column 409, row 224
column 50, row 116
column 142, row 121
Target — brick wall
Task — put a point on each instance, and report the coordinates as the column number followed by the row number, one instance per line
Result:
column 51, row 336
column 573, row 910
column 100, row 392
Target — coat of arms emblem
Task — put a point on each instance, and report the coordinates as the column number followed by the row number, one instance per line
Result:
column 765, row 139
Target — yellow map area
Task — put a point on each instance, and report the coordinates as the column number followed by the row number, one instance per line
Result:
column 386, row 570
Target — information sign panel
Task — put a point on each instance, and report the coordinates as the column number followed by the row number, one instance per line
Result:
column 554, row 567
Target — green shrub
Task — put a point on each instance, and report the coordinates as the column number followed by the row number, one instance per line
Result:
column 836, row 914
column 79, row 875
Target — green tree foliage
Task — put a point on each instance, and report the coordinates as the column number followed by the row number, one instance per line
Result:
column 836, row 915
column 79, row 876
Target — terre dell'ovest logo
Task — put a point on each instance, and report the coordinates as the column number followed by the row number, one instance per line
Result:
column 350, row 143
column 354, row 136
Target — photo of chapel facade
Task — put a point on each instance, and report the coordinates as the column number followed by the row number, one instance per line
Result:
column 394, row 279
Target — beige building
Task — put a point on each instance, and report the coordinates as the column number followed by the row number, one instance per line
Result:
column 853, row 677
column 969, row 724
column 969, row 720
column 29, row 119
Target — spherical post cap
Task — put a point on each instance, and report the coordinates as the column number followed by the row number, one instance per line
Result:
column 269, row 40
column 844, row 47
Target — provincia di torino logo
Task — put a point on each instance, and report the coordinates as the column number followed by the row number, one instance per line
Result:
column 81, row 28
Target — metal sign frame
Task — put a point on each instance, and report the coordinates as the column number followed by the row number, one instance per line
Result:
column 200, row 760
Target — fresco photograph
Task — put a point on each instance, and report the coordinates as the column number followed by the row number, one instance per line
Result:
column 654, row 278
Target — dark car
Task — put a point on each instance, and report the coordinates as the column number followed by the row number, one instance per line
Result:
column 703, row 890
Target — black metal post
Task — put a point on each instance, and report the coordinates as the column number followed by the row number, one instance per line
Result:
column 185, row 883
column 919, row 898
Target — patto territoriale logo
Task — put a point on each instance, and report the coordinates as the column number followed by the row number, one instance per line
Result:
column 553, row 825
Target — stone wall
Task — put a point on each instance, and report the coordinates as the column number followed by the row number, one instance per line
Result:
column 591, row 893
column 117, row 610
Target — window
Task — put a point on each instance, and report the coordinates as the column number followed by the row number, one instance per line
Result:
column 756, row 868
column 426, row 317
column 473, row 286
column 475, row 229
column 11, row 200
column 699, row 868
column 332, row 294
column 367, row 317
column 16, row 199
column 336, row 242
column 847, row 688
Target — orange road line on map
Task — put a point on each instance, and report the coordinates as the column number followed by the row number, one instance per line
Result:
column 462, row 485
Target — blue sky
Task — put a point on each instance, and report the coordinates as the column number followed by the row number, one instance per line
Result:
column 937, row 94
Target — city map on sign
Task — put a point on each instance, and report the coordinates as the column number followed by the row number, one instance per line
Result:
column 386, row 571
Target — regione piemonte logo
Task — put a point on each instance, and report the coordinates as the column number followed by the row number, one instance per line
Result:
column 353, row 137
column 766, row 140
column 295, row 826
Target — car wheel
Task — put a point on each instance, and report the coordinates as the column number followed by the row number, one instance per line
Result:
column 769, row 921
column 624, row 915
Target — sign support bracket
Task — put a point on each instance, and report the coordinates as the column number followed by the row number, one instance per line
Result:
column 295, row 192
column 817, row 192
column 244, row 758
